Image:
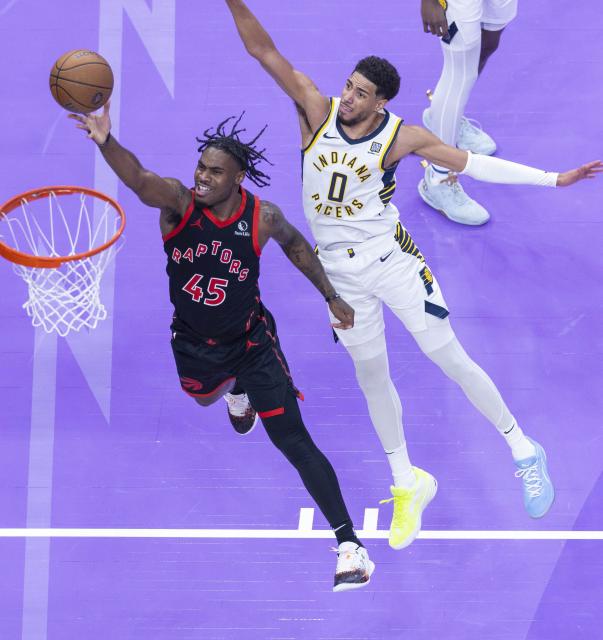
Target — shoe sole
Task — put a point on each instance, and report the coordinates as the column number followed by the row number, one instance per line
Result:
column 417, row 529
column 541, row 515
column 426, row 200
column 250, row 430
column 350, row 586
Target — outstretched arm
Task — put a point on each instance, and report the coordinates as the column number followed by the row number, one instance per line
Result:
column 261, row 46
column 274, row 225
column 485, row 168
column 154, row 191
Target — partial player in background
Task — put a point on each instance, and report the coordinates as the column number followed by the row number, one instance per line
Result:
column 470, row 32
column 351, row 147
column 222, row 335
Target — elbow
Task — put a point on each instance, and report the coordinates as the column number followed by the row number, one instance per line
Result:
column 137, row 183
column 254, row 51
column 261, row 52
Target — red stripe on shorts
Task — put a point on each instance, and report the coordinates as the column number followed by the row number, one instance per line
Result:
column 210, row 393
column 271, row 414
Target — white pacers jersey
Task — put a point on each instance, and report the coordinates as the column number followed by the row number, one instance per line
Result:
column 346, row 190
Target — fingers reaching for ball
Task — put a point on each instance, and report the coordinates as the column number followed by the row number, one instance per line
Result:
column 97, row 127
column 81, row 123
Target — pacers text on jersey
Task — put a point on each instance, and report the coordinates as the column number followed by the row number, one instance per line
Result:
column 339, row 182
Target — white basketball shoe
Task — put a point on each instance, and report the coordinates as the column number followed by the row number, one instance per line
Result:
column 243, row 417
column 354, row 568
column 471, row 136
column 448, row 197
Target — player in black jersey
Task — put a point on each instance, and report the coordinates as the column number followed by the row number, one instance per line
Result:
column 223, row 336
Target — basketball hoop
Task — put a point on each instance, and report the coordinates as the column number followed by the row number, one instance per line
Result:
column 62, row 257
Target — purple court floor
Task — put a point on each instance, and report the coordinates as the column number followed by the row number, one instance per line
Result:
column 96, row 434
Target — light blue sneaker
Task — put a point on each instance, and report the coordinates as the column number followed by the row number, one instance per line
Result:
column 538, row 491
column 471, row 136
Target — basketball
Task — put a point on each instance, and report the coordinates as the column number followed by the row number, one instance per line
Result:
column 81, row 81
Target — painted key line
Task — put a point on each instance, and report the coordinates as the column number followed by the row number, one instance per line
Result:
column 304, row 530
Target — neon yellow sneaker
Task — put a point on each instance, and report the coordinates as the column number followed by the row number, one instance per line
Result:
column 408, row 508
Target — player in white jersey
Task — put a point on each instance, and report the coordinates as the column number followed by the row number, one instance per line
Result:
column 351, row 148
column 470, row 32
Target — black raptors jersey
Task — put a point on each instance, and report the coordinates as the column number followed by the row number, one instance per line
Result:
column 213, row 267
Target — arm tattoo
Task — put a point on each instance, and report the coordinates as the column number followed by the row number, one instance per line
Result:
column 296, row 248
column 171, row 215
column 303, row 257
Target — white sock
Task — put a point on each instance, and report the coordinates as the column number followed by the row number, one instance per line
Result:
column 435, row 175
column 521, row 447
column 402, row 471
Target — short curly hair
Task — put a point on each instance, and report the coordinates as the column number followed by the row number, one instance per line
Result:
column 381, row 73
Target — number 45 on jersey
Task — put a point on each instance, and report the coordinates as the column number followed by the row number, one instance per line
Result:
column 215, row 289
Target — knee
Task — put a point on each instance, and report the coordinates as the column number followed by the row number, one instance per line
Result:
column 487, row 51
column 490, row 42
column 453, row 361
column 204, row 402
column 456, row 370
column 463, row 67
column 373, row 378
column 293, row 441
column 287, row 431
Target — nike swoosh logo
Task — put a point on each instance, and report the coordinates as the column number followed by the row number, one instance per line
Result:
column 387, row 256
column 326, row 135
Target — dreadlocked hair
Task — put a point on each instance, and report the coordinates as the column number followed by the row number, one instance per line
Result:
column 245, row 153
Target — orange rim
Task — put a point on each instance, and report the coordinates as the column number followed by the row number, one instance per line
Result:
column 45, row 262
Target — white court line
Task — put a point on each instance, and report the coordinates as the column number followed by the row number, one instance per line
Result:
column 293, row 533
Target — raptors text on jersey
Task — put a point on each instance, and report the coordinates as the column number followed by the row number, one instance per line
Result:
column 213, row 267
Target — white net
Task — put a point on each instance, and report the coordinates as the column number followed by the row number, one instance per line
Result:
column 66, row 298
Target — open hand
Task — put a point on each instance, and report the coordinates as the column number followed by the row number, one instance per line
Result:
column 585, row 172
column 434, row 18
column 343, row 312
column 98, row 127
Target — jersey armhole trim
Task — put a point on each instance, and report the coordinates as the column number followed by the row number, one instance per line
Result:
column 389, row 145
column 322, row 127
column 255, row 228
column 182, row 223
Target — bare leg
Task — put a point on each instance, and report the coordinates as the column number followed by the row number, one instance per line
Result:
column 490, row 42
column 223, row 389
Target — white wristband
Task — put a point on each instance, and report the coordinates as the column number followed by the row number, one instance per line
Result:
column 489, row 169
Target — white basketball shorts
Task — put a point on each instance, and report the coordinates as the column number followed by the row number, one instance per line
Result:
column 471, row 16
column 384, row 270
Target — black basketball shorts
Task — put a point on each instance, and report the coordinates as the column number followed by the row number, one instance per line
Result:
column 255, row 360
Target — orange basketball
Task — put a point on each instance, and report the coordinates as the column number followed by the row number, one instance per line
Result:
column 81, row 81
